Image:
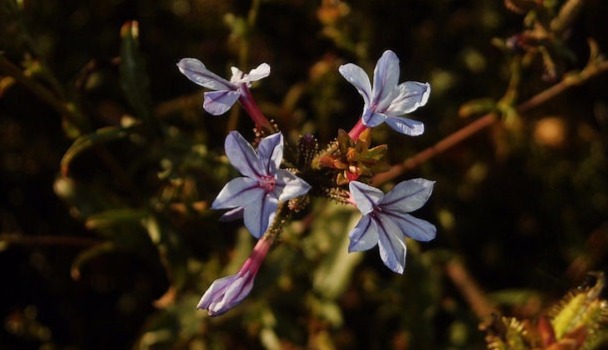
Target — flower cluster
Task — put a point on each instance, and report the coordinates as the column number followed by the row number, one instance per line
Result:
column 267, row 193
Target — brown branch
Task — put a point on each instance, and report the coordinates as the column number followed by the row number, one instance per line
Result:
column 19, row 239
column 440, row 147
column 464, row 133
column 469, row 288
column 68, row 111
column 191, row 101
column 39, row 90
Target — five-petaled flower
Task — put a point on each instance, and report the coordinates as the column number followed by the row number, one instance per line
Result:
column 387, row 101
column 227, row 292
column 386, row 220
column 226, row 93
column 256, row 195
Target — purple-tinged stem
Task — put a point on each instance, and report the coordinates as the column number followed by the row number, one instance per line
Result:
column 255, row 259
column 248, row 103
column 357, row 130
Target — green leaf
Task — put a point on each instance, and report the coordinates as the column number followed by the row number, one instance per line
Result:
column 85, row 200
column 88, row 255
column 332, row 276
column 172, row 252
column 88, row 201
column 514, row 297
column 177, row 324
column 114, row 217
column 88, row 141
column 582, row 307
column 134, row 80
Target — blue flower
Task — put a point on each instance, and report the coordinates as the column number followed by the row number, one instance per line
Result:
column 386, row 220
column 227, row 292
column 225, row 93
column 387, row 101
column 256, row 195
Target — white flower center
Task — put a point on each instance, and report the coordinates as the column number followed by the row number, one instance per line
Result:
column 238, row 77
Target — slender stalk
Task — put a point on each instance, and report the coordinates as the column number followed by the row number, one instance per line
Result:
column 243, row 59
column 469, row 288
column 357, row 130
column 69, row 111
column 256, row 258
column 248, row 103
column 19, row 239
column 42, row 92
column 440, row 147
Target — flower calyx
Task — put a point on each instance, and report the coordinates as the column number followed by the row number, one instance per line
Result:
column 354, row 159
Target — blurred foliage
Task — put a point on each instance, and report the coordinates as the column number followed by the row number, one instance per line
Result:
column 108, row 164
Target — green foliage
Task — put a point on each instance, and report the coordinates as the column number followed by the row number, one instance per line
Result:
column 578, row 321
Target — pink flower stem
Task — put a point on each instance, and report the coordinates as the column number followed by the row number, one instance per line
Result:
column 357, row 130
column 248, row 103
column 257, row 256
column 354, row 134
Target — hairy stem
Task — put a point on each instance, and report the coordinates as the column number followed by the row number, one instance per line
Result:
column 248, row 103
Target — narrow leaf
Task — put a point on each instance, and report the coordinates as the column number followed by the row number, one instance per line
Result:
column 134, row 80
column 88, row 141
column 113, row 217
column 88, row 255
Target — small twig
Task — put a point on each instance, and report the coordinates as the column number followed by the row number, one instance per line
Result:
column 438, row 148
column 487, row 120
column 243, row 59
column 39, row 90
column 469, row 289
column 565, row 84
column 71, row 113
column 179, row 104
column 19, row 239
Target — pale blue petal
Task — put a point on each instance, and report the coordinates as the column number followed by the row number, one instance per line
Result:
column 405, row 126
column 391, row 243
column 270, row 151
column 418, row 229
column 365, row 196
column 386, row 77
column 238, row 192
column 242, row 156
column 260, row 72
column 196, row 71
column 231, row 215
column 225, row 293
column 289, row 186
column 410, row 96
column 364, row 236
column 219, row 102
column 408, row 195
column 357, row 76
column 260, row 213
column 216, row 291
column 372, row 119
column 235, row 293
